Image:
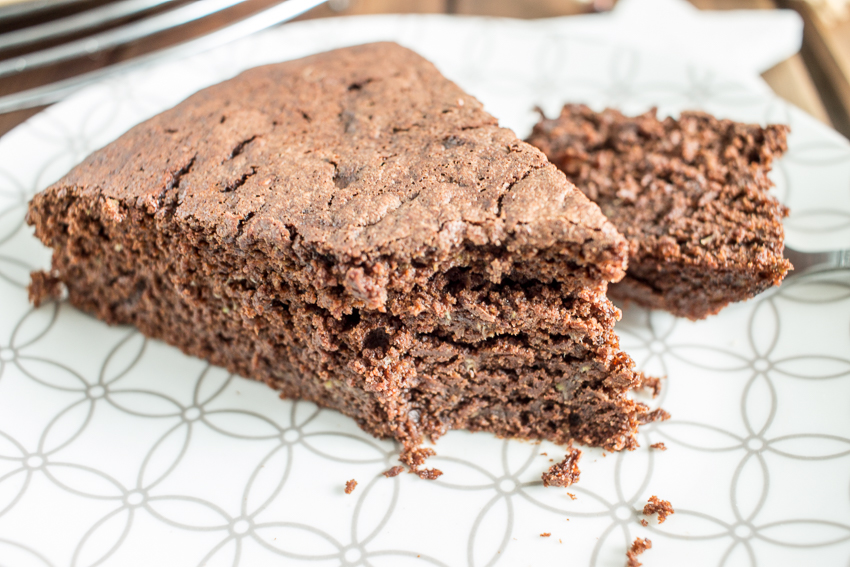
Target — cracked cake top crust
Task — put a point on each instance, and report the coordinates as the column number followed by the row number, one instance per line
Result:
column 408, row 176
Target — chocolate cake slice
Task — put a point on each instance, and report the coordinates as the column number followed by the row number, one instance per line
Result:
column 353, row 229
column 691, row 195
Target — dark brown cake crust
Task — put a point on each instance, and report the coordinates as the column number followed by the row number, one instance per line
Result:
column 357, row 232
column 691, row 195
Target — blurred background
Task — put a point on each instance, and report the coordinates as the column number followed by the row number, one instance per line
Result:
column 48, row 48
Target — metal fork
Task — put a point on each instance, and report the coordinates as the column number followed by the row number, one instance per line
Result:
column 807, row 262
column 122, row 36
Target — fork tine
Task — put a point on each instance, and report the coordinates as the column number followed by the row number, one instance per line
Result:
column 33, row 7
column 264, row 19
column 78, row 22
column 115, row 37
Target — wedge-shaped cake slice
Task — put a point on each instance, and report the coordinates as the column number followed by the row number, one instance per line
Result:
column 353, row 229
column 691, row 195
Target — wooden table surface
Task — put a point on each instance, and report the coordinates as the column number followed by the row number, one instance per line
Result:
column 814, row 80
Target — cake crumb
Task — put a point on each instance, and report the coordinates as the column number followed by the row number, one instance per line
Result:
column 643, row 522
column 429, row 474
column 655, row 415
column 395, row 471
column 564, row 473
column 545, row 534
column 638, row 547
column 649, row 383
column 414, row 457
column 656, row 505
column 545, row 454
column 350, row 486
column 44, row 287
column 660, row 446
column 571, row 495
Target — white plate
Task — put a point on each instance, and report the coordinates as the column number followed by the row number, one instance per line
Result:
column 119, row 451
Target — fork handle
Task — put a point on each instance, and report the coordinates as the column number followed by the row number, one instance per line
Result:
column 818, row 261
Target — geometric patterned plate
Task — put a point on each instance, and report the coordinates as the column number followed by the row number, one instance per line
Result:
column 121, row 451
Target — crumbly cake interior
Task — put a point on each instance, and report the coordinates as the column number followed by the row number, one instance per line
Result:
column 690, row 194
column 363, row 237
column 530, row 360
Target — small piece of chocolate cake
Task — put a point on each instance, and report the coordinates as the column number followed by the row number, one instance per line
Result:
column 565, row 473
column 657, row 506
column 353, row 229
column 691, row 195
column 639, row 546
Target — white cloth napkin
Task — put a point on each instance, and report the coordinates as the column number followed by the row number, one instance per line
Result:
column 747, row 41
